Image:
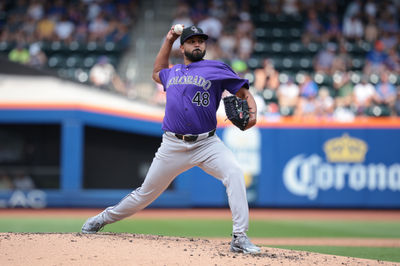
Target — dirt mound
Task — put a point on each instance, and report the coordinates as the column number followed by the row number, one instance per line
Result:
column 135, row 249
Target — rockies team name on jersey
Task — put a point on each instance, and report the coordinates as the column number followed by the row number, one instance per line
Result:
column 196, row 80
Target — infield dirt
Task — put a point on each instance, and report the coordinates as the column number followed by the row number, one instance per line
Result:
column 135, row 249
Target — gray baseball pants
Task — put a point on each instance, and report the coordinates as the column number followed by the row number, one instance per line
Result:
column 175, row 156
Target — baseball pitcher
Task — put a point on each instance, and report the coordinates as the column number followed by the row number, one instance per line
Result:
column 193, row 90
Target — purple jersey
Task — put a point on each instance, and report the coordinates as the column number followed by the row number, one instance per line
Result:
column 194, row 93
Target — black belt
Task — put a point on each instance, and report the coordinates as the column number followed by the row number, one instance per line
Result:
column 191, row 138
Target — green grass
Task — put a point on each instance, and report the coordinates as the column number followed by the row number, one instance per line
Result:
column 222, row 228
column 373, row 253
column 214, row 228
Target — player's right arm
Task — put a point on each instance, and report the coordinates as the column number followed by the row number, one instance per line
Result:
column 162, row 58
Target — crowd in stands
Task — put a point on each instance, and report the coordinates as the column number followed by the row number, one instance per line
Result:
column 372, row 90
column 19, row 180
column 228, row 24
column 29, row 25
column 337, row 27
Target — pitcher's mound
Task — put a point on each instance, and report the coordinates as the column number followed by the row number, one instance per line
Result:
column 134, row 249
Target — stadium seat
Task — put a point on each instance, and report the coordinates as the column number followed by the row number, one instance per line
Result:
column 295, row 33
column 5, row 47
column 323, row 80
column 74, row 61
column 306, row 63
column 378, row 111
column 254, row 62
column 89, row 61
column 260, row 48
column 91, row 47
column 277, row 47
column 287, row 64
column 357, row 63
column 260, row 33
column 76, row 47
column 58, row 47
column 56, row 61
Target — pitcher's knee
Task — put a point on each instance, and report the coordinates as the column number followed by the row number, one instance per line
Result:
column 233, row 175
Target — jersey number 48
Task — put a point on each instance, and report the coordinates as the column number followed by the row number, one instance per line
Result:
column 201, row 99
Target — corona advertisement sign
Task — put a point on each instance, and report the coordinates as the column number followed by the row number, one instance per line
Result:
column 333, row 168
column 307, row 175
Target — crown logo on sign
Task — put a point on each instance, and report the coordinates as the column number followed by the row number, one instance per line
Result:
column 345, row 149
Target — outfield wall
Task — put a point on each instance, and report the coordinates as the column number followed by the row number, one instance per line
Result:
column 287, row 162
column 286, row 165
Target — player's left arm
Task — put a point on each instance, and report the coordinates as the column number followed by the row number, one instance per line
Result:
column 244, row 93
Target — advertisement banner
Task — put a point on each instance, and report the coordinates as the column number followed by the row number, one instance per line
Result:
column 331, row 168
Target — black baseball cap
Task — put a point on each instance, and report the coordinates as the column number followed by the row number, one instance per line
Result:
column 192, row 31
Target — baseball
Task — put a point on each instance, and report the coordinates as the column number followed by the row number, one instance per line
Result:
column 178, row 28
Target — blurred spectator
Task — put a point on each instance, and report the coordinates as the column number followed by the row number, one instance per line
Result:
column 181, row 17
column 363, row 95
column 388, row 23
column 397, row 102
column 370, row 8
column 45, row 29
column 245, row 25
column 81, row 32
column 36, row 10
column 288, row 95
column 93, row 10
column 23, row 181
column 122, row 37
column 344, row 89
column 272, row 6
column 198, row 11
column 313, row 28
column 324, row 103
column 353, row 8
column 385, row 92
column 214, row 52
column 389, row 40
column 244, row 44
column 375, row 59
column 37, row 58
column 227, row 44
column 212, row 26
column 3, row 14
column 290, row 7
column 333, row 31
column 104, row 75
column 393, row 61
column 57, row 9
column 64, row 29
column 240, row 67
column 5, row 181
column 261, row 106
column 342, row 61
column 343, row 113
column 307, row 104
column 19, row 9
column 266, row 77
column 28, row 29
column 371, row 30
column 98, row 28
column 19, row 54
column 11, row 28
column 353, row 28
column 323, row 61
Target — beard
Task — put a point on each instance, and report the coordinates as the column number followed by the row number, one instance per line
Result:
column 195, row 55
